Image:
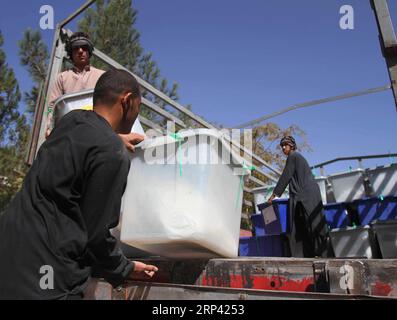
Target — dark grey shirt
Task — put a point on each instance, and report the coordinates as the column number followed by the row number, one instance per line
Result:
column 297, row 175
column 61, row 218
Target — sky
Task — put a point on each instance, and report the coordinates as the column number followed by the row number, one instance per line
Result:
column 235, row 61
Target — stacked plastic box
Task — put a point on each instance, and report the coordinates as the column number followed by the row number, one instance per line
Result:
column 336, row 215
column 261, row 246
column 268, row 239
column 375, row 237
column 386, row 234
column 354, row 242
column 379, row 208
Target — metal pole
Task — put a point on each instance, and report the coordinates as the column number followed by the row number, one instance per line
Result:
column 312, row 103
column 40, row 106
column 388, row 41
column 33, row 138
column 76, row 13
column 360, row 163
column 359, row 158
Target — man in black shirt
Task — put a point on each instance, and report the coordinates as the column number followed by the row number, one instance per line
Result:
column 306, row 222
column 55, row 233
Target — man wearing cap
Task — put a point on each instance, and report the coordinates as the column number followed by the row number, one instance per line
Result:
column 308, row 233
column 81, row 77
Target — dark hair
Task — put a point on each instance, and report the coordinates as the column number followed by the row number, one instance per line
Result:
column 82, row 37
column 113, row 83
column 288, row 140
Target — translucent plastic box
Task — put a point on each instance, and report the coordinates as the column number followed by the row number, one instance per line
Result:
column 384, row 180
column 81, row 100
column 321, row 181
column 352, row 242
column 348, row 186
column 179, row 203
column 386, row 233
column 73, row 101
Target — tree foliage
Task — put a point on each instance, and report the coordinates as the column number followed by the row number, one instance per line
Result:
column 9, row 98
column 13, row 133
column 266, row 140
column 34, row 55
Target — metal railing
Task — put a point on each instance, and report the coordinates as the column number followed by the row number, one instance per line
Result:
column 357, row 158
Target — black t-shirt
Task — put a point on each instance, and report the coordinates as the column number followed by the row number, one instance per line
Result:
column 55, row 232
column 297, row 175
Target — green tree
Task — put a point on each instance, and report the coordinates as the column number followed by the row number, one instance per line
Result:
column 9, row 99
column 13, row 133
column 34, row 55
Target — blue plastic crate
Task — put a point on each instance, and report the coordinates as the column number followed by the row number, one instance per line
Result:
column 336, row 215
column 270, row 246
column 371, row 209
column 281, row 208
column 248, row 247
column 388, row 208
column 258, row 224
column 261, row 246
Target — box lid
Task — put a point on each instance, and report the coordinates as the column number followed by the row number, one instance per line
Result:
column 383, row 223
column 73, row 96
column 187, row 133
